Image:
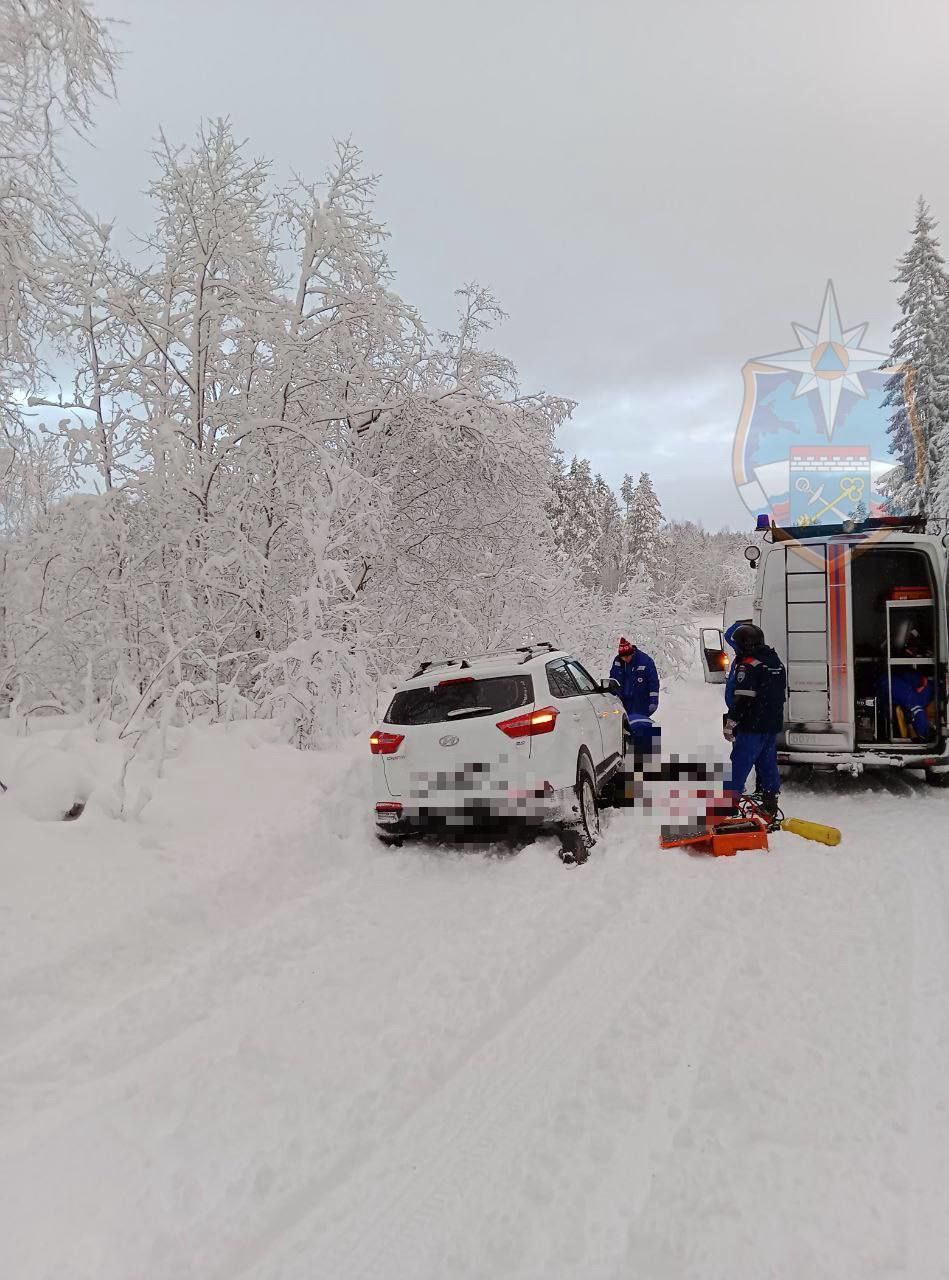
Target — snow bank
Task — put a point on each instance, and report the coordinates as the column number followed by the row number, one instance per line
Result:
column 45, row 782
column 160, row 829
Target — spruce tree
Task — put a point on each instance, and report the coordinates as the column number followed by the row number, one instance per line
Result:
column 643, row 525
column 611, row 535
column 576, row 519
column 918, row 392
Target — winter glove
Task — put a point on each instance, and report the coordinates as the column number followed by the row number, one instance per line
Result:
column 728, row 729
column 653, row 706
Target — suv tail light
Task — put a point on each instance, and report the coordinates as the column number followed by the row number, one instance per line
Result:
column 385, row 744
column 543, row 720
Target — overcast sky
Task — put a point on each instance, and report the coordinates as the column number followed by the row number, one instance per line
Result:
column 655, row 191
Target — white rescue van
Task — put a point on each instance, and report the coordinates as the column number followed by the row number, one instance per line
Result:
column 850, row 610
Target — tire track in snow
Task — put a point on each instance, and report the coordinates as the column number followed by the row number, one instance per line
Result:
column 104, row 1036
column 786, row 1167
column 47, row 1078
column 928, row 1216
column 382, row 1211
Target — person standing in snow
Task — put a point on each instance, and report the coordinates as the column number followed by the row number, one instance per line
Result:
column 733, row 669
column 638, row 680
column 755, row 714
column 732, row 673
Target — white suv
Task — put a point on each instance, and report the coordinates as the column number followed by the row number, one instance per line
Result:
column 526, row 738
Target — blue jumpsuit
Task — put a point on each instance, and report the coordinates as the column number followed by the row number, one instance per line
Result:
column 638, row 681
column 913, row 692
column 757, row 712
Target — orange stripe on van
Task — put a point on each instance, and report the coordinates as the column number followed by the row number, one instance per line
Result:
column 839, row 639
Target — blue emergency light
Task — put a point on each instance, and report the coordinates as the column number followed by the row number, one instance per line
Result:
column 762, row 523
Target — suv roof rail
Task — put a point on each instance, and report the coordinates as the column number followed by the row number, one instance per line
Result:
column 461, row 663
column 529, row 650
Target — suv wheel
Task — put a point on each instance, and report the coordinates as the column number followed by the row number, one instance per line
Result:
column 391, row 839
column 577, row 840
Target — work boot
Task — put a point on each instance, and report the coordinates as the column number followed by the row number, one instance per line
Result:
column 769, row 803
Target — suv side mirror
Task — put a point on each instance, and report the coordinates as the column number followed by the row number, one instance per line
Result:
column 609, row 686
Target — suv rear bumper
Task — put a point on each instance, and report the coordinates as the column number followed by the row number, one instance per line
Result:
column 532, row 809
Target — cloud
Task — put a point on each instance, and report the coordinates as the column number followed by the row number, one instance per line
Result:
column 654, row 192
column 681, row 435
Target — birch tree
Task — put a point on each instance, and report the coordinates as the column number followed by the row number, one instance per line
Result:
column 56, row 60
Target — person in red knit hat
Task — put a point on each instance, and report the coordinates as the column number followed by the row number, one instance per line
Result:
column 638, row 680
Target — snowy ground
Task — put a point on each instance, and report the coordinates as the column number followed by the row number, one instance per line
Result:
column 239, row 1040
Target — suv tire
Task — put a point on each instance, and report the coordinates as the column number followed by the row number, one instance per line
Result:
column 578, row 838
column 391, row 840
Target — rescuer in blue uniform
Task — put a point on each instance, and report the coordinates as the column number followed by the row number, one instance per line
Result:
column 730, row 678
column 754, row 696
column 732, row 670
column 912, row 690
column 912, row 693
column 638, row 680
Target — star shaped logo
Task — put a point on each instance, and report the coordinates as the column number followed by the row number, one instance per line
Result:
column 829, row 359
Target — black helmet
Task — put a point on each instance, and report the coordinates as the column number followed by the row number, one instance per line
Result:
column 747, row 637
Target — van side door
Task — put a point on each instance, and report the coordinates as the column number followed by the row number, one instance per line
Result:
column 714, row 655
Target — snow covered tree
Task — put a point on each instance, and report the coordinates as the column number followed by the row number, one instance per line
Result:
column 575, row 516
column 587, row 523
column 710, row 564
column 611, row 535
column 468, row 462
column 919, row 392
column 265, row 487
column 643, row 552
column 56, row 59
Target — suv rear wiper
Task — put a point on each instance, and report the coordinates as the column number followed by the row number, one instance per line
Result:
column 465, row 711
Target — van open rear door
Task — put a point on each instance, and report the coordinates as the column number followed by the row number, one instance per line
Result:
column 816, row 605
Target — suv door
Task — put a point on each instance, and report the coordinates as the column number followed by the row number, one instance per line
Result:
column 573, row 684
column 606, row 711
column 573, row 707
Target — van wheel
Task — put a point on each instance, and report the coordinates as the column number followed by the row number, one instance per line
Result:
column 578, row 839
column 937, row 777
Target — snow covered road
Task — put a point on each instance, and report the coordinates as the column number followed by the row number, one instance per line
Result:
column 239, row 1040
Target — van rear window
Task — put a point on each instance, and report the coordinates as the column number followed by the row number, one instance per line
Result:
column 460, row 700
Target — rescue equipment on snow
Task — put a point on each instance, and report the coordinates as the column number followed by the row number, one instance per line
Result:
column 747, row 829
column 812, row 830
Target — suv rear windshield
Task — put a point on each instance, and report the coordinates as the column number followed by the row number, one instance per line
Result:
column 460, row 700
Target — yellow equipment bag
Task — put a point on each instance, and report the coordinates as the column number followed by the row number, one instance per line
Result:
column 812, row 830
